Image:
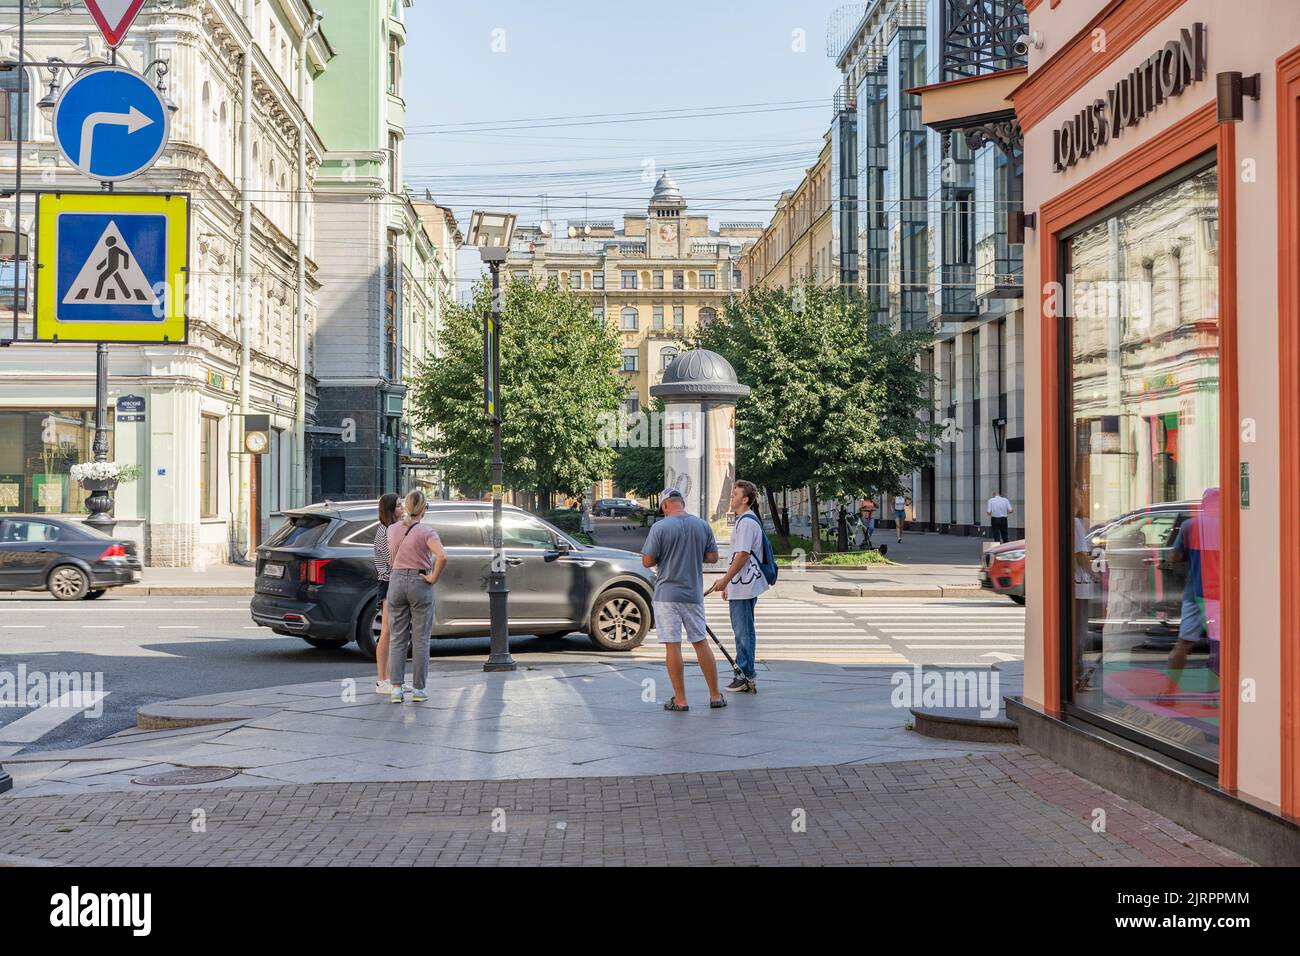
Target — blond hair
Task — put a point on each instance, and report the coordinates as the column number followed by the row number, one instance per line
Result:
column 414, row 506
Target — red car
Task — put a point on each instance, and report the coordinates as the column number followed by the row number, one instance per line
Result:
column 1002, row 570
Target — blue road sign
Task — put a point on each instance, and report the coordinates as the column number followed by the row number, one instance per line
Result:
column 111, row 123
column 111, row 268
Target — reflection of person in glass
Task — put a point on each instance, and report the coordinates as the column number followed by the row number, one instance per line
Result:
column 1197, row 543
column 1081, row 559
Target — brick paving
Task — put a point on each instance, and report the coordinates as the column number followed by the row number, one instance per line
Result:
column 1008, row 808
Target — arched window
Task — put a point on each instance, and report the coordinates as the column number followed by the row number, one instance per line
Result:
column 9, row 106
column 628, row 319
column 666, row 356
column 707, row 316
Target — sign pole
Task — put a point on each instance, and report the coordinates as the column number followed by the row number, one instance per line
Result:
column 499, row 658
column 18, row 167
column 6, row 781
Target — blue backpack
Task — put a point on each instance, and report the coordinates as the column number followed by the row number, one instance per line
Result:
column 766, row 560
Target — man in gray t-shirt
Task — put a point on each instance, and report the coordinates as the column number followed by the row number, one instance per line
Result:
column 680, row 545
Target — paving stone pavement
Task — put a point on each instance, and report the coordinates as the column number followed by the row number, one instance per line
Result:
column 1006, row 808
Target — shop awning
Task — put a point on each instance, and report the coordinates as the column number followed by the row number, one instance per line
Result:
column 970, row 101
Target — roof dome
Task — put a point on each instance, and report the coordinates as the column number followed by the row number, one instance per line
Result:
column 666, row 190
column 699, row 373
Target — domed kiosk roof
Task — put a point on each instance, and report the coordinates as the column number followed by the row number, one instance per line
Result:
column 700, row 374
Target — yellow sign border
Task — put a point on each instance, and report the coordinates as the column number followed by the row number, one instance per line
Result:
column 173, row 328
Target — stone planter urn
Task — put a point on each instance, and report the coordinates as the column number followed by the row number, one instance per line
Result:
column 100, row 504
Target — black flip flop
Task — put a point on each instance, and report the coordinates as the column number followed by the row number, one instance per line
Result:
column 719, row 703
column 673, row 705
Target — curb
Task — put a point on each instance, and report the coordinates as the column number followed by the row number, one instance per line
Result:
column 168, row 716
column 139, row 590
column 912, row 591
column 972, row 729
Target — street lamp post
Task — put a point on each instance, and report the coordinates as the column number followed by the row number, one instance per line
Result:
column 491, row 232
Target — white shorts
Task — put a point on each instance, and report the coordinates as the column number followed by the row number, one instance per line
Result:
column 674, row 617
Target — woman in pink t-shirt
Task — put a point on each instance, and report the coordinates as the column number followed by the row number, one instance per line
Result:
column 417, row 560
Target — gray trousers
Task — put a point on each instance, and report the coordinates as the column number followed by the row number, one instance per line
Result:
column 410, row 621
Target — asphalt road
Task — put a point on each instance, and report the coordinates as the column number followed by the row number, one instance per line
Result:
column 149, row 649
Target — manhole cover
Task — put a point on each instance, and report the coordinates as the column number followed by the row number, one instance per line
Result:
column 186, row 777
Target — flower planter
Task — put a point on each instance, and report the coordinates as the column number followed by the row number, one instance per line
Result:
column 100, row 503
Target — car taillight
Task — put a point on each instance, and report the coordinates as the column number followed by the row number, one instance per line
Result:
column 113, row 551
column 313, row 570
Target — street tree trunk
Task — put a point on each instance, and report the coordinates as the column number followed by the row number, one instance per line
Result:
column 782, row 529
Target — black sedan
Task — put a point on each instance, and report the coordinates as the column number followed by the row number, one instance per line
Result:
column 316, row 578
column 69, row 559
column 618, row 507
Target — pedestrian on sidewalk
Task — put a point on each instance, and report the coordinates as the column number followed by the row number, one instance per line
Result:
column 868, row 515
column 680, row 545
column 418, row 560
column 900, row 514
column 389, row 511
column 997, row 509
column 743, row 582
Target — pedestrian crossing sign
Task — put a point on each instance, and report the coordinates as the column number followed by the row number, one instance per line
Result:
column 112, row 267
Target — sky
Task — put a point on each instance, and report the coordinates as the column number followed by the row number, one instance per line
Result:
column 573, row 108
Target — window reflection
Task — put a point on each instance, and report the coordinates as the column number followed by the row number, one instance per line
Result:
column 1145, row 465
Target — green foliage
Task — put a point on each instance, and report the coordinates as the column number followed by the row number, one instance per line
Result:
column 558, row 384
column 639, row 456
column 566, row 519
column 838, row 401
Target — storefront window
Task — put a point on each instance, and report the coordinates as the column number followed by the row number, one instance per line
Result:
column 37, row 450
column 1144, row 467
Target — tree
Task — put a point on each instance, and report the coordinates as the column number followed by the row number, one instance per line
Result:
column 837, row 400
column 559, row 387
column 639, row 455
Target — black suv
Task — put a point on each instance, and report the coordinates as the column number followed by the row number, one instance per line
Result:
column 316, row 578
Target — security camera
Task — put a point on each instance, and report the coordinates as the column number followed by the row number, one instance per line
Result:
column 1027, row 40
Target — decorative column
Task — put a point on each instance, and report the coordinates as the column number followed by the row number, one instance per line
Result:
column 700, row 391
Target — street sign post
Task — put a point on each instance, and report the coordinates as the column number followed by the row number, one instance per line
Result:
column 111, row 123
column 114, row 17
column 112, row 267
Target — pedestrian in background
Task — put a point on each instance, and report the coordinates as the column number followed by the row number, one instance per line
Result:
column 679, row 546
column 900, row 514
column 868, row 515
column 743, row 582
column 997, row 509
column 418, row 560
column 389, row 512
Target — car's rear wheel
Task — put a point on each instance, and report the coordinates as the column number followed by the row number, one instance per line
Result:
column 68, row 583
column 620, row 620
column 96, row 594
column 330, row 644
column 368, row 628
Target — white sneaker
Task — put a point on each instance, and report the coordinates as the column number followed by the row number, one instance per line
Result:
column 395, row 696
column 419, row 696
column 383, row 687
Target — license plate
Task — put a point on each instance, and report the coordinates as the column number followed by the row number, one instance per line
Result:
column 273, row 571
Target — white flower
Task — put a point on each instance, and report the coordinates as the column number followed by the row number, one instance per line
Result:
column 95, row 471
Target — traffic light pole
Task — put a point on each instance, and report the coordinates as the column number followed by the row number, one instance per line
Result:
column 499, row 658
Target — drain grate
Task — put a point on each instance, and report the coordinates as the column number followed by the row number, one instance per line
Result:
column 186, row 776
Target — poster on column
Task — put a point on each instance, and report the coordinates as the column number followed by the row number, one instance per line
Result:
column 720, row 462
column 681, row 438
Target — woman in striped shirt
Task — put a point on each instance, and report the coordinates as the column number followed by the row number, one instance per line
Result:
column 390, row 510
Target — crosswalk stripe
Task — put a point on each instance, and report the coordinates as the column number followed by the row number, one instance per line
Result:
column 31, row 727
column 957, row 647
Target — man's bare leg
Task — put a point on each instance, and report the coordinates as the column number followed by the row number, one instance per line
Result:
column 708, row 666
column 676, row 672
